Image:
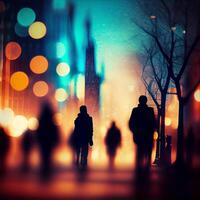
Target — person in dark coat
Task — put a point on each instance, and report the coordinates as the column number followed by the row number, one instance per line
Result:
column 83, row 133
column 4, row 148
column 142, row 125
column 47, row 138
column 26, row 147
column 112, row 141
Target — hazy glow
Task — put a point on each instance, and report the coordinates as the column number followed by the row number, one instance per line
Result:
column 58, row 118
column 81, row 87
column 19, row 81
column 62, row 69
column 33, row 123
column 6, row 116
column 197, row 95
column 168, row 121
column 155, row 135
column 39, row 64
column 59, row 4
column 60, row 95
column 26, row 16
column 37, row 30
column 60, row 49
column 40, row 88
column 18, row 126
column 13, row 50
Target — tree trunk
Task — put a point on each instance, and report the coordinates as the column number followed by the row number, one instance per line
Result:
column 180, row 138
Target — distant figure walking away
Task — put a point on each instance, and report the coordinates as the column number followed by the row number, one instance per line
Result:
column 142, row 125
column 4, row 148
column 26, row 147
column 112, row 141
column 48, row 138
column 83, row 133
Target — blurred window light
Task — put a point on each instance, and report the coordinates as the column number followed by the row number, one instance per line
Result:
column 26, row 16
column 197, row 95
column 39, row 64
column 63, row 69
column 19, row 81
column 60, row 50
column 168, row 121
column 13, row 50
column 37, row 30
column 6, row 116
column 33, row 123
column 59, row 4
column 61, row 95
column 40, row 88
column 81, row 87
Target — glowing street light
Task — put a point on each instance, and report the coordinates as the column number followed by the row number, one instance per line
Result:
column 197, row 95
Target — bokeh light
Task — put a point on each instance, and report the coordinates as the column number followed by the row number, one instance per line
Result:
column 6, row 116
column 58, row 118
column 18, row 126
column 39, row 64
column 197, row 95
column 21, row 31
column 19, row 81
column 33, row 123
column 62, row 69
column 81, row 87
column 13, row 50
column 37, row 30
column 60, row 49
column 61, row 95
column 40, row 89
column 26, row 16
column 155, row 135
column 168, row 121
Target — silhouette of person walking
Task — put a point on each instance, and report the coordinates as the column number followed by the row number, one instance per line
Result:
column 26, row 147
column 142, row 125
column 83, row 136
column 112, row 141
column 47, row 137
column 4, row 148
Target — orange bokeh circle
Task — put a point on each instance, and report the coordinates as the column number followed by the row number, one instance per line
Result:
column 40, row 88
column 39, row 64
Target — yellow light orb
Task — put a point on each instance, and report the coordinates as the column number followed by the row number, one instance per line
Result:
column 61, row 95
column 19, row 81
column 37, row 30
column 39, row 64
column 33, row 123
column 62, row 69
column 6, row 116
column 155, row 135
column 40, row 88
column 197, row 95
column 18, row 126
column 168, row 121
column 13, row 50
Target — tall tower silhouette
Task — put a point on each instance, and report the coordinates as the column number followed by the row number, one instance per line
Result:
column 92, row 80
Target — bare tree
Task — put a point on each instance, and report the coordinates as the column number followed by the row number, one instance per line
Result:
column 174, row 26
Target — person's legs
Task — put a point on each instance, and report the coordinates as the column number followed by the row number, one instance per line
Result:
column 78, row 150
column 84, row 155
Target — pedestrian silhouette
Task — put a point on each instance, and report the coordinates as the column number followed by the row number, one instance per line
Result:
column 190, row 140
column 26, row 147
column 112, row 141
column 47, row 137
column 142, row 125
column 83, row 133
column 4, row 148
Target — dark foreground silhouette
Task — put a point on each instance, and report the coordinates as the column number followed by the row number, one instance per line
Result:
column 112, row 141
column 83, row 132
column 142, row 125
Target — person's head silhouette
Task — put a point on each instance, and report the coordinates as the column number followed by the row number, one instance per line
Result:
column 83, row 109
column 143, row 100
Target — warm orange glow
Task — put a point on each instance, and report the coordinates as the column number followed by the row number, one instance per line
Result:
column 61, row 95
column 58, row 119
column 19, row 81
column 39, row 64
column 155, row 135
column 168, row 121
column 197, row 95
column 18, row 126
column 40, row 88
column 33, row 123
column 13, row 50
